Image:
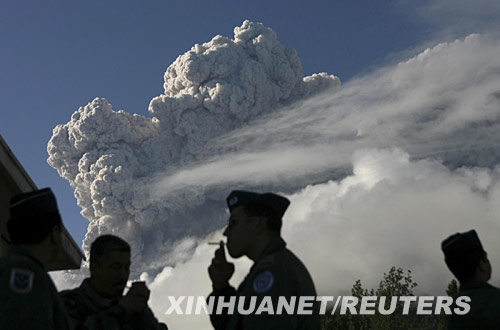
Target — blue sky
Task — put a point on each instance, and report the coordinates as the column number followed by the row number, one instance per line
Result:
column 58, row 56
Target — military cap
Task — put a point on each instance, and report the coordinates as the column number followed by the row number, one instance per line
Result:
column 276, row 203
column 461, row 244
column 32, row 216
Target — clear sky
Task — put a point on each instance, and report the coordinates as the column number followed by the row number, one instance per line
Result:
column 57, row 56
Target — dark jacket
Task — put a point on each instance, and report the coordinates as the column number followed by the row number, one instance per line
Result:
column 277, row 272
column 28, row 297
column 484, row 311
column 88, row 310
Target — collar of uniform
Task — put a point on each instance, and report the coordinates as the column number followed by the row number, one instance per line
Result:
column 474, row 285
column 18, row 250
column 90, row 292
column 273, row 246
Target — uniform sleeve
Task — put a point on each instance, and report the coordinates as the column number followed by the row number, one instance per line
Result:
column 84, row 317
column 26, row 299
column 220, row 322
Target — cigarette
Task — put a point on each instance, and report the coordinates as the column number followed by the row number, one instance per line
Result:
column 215, row 243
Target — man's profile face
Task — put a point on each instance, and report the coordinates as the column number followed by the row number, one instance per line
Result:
column 110, row 274
column 240, row 232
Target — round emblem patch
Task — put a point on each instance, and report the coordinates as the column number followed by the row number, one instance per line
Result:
column 263, row 282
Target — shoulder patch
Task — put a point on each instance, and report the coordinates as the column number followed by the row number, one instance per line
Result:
column 21, row 280
column 263, row 282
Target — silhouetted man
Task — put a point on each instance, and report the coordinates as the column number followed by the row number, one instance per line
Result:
column 99, row 304
column 467, row 260
column 253, row 231
column 28, row 298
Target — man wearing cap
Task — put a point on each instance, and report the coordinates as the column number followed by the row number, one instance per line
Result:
column 467, row 260
column 98, row 303
column 29, row 299
column 254, row 231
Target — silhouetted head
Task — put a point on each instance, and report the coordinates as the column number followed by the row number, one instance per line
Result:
column 253, row 217
column 109, row 265
column 35, row 223
column 465, row 257
column 33, row 216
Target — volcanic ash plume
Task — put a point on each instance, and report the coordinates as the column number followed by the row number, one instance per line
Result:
column 111, row 158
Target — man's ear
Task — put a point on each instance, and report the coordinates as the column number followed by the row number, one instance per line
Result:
column 56, row 235
column 92, row 267
column 484, row 263
column 261, row 225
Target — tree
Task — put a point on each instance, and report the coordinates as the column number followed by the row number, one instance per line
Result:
column 452, row 288
column 395, row 283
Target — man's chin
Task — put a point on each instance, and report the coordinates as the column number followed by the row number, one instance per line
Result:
column 234, row 254
column 118, row 290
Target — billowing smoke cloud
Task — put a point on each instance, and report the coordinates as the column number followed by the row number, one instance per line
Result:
column 212, row 89
column 378, row 171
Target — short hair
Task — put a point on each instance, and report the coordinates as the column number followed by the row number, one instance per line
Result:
column 104, row 244
column 464, row 268
column 274, row 221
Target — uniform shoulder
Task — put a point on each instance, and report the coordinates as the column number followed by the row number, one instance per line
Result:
column 22, row 273
column 76, row 301
column 296, row 269
column 267, row 261
column 287, row 257
column 493, row 294
column 14, row 260
column 75, row 294
column 282, row 258
column 24, row 278
column 70, row 292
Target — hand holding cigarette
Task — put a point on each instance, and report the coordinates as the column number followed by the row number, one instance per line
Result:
column 220, row 271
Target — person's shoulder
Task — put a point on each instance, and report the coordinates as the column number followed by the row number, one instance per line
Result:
column 19, row 268
column 23, row 278
column 16, row 260
column 76, row 301
column 492, row 294
column 288, row 259
column 73, row 294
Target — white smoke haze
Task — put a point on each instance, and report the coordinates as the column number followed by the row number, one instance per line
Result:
column 379, row 171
